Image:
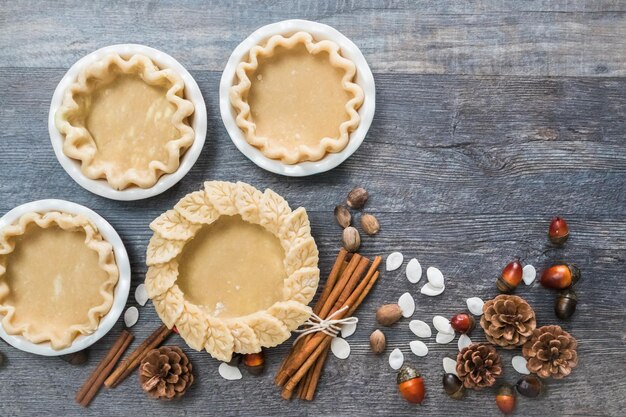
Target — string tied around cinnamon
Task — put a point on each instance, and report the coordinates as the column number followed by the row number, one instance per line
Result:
column 329, row 325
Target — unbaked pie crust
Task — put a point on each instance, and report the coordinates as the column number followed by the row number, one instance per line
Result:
column 57, row 277
column 296, row 99
column 126, row 120
column 233, row 268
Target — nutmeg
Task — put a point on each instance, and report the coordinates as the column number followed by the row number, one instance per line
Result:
column 378, row 342
column 388, row 314
column 370, row 224
column 343, row 216
column 351, row 239
column 357, row 198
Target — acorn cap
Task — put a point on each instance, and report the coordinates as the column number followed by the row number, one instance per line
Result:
column 568, row 293
column 406, row 373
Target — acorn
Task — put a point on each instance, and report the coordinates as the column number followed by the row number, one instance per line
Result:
column 463, row 323
column 236, row 359
column 511, row 277
column 529, row 386
column 559, row 277
column 453, row 386
column 411, row 384
column 558, row 231
column 565, row 304
column 254, row 363
column 505, row 399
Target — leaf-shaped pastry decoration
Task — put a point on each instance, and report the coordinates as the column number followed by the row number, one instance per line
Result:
column 169, row 305
column 291, row 313
column 270, row 331
column 244, row 338
column 219, row 342
column 302, row 255
column 161, row 278
column 295, row 229
column 162, row 250
column 196, row 208
column 222, row 196
column 192, row 326
column 248, row 200
column 171, row 225
column 273, row 211
column 301, row 285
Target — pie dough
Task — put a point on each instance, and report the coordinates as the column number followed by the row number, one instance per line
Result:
column 296, row 99
column 57, row 277
column 233, row 268
column 126, row 120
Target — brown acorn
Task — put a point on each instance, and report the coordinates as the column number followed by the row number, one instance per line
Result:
column 411, row 384
column 505, row 399
column 559, row 277
column 558, row 231
column 510, row 278
column 529, row 386
column 254, row 362
column 565, row 304
column 463, row 323
column 453, row 386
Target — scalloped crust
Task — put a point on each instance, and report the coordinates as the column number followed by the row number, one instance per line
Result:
column 221, row 337
column 94, row 241
column 240, row 90
column 78, row 142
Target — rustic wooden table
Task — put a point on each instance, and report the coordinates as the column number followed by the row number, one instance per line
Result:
column 492, row 116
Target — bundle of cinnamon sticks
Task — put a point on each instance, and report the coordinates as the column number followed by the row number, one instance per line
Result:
column 350, row 280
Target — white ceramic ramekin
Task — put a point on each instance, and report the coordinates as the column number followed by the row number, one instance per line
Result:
column 364, row 78
column 122, row 288
column 199, row 125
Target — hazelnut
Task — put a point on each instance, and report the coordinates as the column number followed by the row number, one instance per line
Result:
column 388, row 314
column 351, row 239
column 370, row 224
column 343, row 216
column 378, row 343
column 357, row 198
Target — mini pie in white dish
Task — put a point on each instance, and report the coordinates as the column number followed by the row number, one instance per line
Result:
column 296, row 98
column 126, row 120
column 233, row 268
column 57, row 277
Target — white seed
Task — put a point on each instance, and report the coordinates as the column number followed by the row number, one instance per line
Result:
column 414, row 271
column 443, row 325
column 348, row 330
column 229, row 372
column 444, row 338
column 519, row 364
column 131, row 316
column 431, row 291
column 394, row 261
column 141, row 295
column 420, row 328
column 396, row 359
column 464, row 341
column 449, row 366
column 340, row 348
column 419, row 348
column 407, row 304
column 529, row 274
column 435, row 277
column 475, row 306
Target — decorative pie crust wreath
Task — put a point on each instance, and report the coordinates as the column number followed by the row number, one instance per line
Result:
column 78, row 142
column 239, row 99
column 93, row 240
column 248, row 334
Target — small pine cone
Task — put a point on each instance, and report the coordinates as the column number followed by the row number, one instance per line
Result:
column 508, row 321
column 551, row 352
column 478, row 365
column 165, row 373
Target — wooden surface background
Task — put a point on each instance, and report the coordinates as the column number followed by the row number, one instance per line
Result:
column 492, row 117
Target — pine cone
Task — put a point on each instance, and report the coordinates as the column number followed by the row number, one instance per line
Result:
column 165, row 373
column 508, row 321
column 551, row 352
column 478, row 365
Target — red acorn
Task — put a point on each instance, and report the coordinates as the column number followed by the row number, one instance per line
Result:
column 462, row 323
column 411, row 384
column 558, row 231
column 559, row 277
column 505, row 399
column 511, row 277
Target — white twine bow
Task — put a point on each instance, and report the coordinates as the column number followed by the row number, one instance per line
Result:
column 328, row 326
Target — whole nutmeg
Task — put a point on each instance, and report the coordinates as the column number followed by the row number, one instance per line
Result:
column 343, row 216
column 558, row 231
column 351, row 239
column 378, row 342
column 370, row 224
column 559, row 277
column 388, row 314
column 357, row 198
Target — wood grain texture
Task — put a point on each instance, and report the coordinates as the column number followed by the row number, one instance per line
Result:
column 492, row 116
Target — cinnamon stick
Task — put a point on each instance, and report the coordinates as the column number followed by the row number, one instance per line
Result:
column 132, row 362
column 311, row 382
column 91, row 387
